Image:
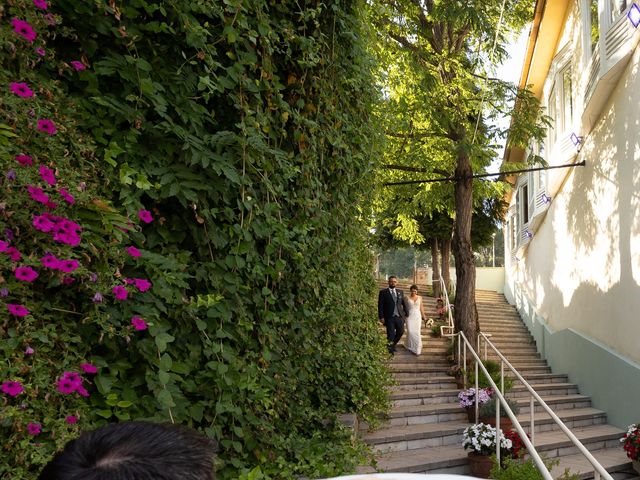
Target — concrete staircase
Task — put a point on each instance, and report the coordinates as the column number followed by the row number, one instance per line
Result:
column 423, row 433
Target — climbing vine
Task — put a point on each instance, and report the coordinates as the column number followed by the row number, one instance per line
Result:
column 241, row 130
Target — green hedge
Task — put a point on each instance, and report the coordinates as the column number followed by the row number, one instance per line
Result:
column 244, row 128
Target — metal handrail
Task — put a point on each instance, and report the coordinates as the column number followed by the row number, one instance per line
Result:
column 449, row 326
column 599, row 469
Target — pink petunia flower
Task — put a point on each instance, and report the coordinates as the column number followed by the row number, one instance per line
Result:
column 24, row 29
column 120, row 292
column 133, row 251
column 97, row 298
column 17, row 310
column 40, row 51
column 42, row 4
column 145, row 216
column 68, row 280
column 29, row 350
column 82, row 391
column 138, row 323
column 4, row 246
column 12, row 388
column 79, row 66
column 72, row 239
column 43, row 224
column 47, row 126
column 89, row 368
column 34, row 428
column 69, row 382
column 68, row 266
column 37, row 194
column 50, row 261
column 67, row 196
column 47, row 175
column 71, row 419
column 24, row 160
column 141, row 284
column 21, row 89
column 26, row 274
column 14, row 254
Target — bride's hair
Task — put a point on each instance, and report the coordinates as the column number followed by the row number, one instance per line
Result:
column 413, row 287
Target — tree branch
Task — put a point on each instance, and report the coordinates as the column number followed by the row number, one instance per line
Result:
column 417, row 169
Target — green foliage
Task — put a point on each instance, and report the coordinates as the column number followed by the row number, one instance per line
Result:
column 518, row 469
column 246, row 128
column 488, row 409
column 493, row 368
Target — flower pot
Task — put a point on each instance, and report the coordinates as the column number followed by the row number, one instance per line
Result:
column 471, row 414
column 480, row 465
column 505, row 422
column 636, row 465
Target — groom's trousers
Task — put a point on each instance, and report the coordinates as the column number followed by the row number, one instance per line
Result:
column 395, row 330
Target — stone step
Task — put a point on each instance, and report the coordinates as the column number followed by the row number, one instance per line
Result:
column 453, row 460
column 553, row 443
column 449, row 421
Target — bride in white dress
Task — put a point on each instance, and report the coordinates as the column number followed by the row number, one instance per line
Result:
column 413, row 341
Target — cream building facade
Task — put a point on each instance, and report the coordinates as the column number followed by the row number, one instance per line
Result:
column 572, row 237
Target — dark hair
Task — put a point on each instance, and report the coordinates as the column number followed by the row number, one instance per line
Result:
column 135, row 451
column 413, row 287
column 392, row 276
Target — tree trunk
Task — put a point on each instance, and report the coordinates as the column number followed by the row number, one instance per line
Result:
column 446, row 255
column 435, row 276
column 465, row 312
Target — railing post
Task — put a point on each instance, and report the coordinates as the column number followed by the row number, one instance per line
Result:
column 502, row 377
column 532, row 430
column 476, row 420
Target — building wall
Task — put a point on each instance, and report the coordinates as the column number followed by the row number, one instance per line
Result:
column 578, row 283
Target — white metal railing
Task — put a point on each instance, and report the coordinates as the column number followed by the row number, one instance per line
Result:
column 449, row 328
column 599, row 470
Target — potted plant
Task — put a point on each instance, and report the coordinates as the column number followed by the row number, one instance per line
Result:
column 631, row 444
column 493, row 368
column 435, row 330
column 487, row 413
column 467, row 400
column 480, row 439
column 510, row 469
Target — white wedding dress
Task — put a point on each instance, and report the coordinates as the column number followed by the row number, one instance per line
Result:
column 413, row 341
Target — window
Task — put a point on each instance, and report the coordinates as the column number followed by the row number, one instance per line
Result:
column 617, row 7
column 560, row 105
column 594, row 25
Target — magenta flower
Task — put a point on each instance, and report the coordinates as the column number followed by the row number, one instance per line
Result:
column 79, row 66
column 120, row 292
column 71, row 419
column 47, row 175
column 11, row 175
column 40, row 51
column 14, row 254
column 133, row 251
column 67, row 196
column 89, row 368
column 37, row 194
column 51, row 205
column 68, row 280
column 50, row 261
column 4, row 246
column 21, row 89
column 72, row 239
column 82, row 391
column 138, row 323
column 17, row 310
column 42, row 4
column 145, row 216
column 97, row 298
column 24, row 160
column 68, row 266
column 43, row 224
column 26, row 274
column 12, row 388
column 34, row 428
column 47, row 126
column 24, row 29
column 141, row 284
column 69, row 382
column 29, row 350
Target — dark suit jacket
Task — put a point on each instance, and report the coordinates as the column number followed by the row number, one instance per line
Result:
column 385, row 304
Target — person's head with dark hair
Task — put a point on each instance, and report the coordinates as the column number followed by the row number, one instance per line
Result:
column 413, row 288
column 135, row 451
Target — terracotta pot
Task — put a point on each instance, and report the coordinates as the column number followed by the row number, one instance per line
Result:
column 480, row 465
column 505, row 422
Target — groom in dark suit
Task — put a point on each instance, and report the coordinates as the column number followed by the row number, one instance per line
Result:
column 392, row 312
